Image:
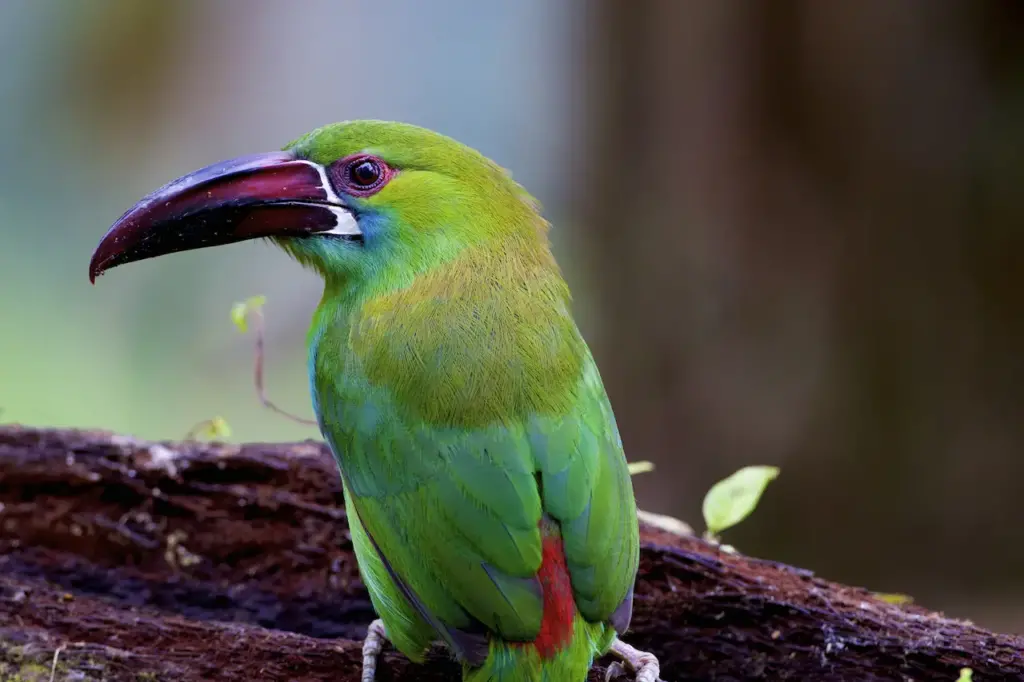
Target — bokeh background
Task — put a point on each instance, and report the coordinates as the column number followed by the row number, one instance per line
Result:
column 794, row 228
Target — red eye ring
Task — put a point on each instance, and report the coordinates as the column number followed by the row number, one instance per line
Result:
column 360, row 175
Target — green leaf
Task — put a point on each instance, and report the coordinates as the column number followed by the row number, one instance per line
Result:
column 240, row 311
column 238, row 317
column 966, row 675
column 733, row 499
column 219, row 428
column 894, row 598
column 214, row 429
column 641, row 467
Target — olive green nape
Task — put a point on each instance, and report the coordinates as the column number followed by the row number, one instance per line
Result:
column 458, row 349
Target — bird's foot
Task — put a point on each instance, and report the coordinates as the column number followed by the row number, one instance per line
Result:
column 642, row 664
column 372, row 646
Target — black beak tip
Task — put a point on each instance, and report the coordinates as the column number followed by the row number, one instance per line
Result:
column 97, row 265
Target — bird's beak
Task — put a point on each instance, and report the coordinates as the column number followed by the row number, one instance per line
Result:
column 264, row 195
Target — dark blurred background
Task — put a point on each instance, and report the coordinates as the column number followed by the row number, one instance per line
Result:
column 794, row 229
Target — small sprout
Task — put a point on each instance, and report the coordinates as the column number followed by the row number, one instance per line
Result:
column 733, row 499
column 53, row 667
column 212, row 429
column 176, row 554
column 240, row 311
column 219, row 428
column 894, row 598
column 966, row 675
column 640, row 467
column 240, row 315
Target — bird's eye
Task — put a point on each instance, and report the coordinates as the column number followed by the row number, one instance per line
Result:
column 365, row 173
column 361, row 175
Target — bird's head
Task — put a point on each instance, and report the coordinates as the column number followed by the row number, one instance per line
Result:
column 357, row 201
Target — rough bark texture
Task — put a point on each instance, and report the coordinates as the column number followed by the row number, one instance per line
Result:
column 185, row 561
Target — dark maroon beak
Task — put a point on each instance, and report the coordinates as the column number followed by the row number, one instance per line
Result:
column 264, row 195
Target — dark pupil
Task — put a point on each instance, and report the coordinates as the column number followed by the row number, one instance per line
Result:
column 364, row 173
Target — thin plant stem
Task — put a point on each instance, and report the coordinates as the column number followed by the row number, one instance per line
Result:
column 258, row 328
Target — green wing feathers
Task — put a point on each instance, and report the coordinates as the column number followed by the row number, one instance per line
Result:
column 455, row 511
column 587, row 488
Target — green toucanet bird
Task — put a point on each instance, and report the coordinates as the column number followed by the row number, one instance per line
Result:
column 485, row 483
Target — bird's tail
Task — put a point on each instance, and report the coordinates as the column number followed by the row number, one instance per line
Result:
column 566, row 645
column 523, row 662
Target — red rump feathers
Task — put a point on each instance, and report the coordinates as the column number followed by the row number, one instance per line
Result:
column 556, row 626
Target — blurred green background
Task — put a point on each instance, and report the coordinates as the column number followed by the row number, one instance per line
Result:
column 793, row 228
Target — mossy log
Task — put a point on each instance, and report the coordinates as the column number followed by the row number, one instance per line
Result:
column 122, row 559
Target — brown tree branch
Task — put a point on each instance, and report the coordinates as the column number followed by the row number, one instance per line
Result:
column 191, row 561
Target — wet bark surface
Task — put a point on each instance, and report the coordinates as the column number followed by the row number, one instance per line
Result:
column 133, row 560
